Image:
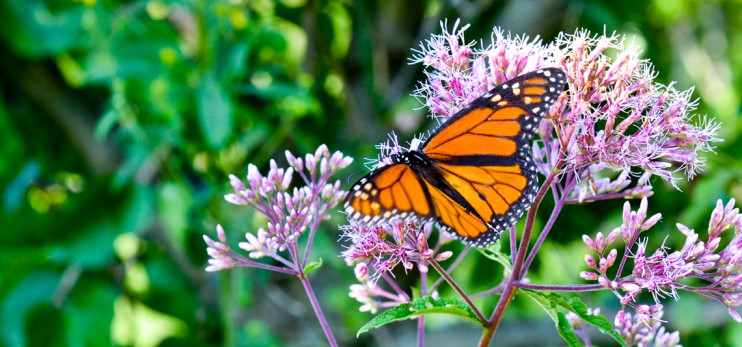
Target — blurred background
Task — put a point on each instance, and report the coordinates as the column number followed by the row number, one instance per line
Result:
column 120, row 121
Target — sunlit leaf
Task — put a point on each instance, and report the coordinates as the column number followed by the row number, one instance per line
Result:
column 418, row 307
column 313, row 266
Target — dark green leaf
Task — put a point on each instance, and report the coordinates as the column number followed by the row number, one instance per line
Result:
column 552, row 301
column 418, row 307
column 36, row 289
column 565, row 330
column 41, row 30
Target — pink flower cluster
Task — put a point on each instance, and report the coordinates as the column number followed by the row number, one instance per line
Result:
column 377, row 250
column 661, row 272
column 613, row 116
column 290, row 211
column 408, row 245
column 616, row 115
column 645, row 328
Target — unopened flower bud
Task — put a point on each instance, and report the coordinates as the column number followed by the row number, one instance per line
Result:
column 443, row 255
column 589, row 242
column 589, row 261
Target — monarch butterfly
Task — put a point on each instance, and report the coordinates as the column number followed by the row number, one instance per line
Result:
column 474, row 175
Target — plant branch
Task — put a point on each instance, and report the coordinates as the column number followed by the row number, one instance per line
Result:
column 518, row 261
column 497, row 289
column 542, row 237
column 561, row 288
column 318, row 310
column 458, row 289
column 421, row 318
column 451, row 267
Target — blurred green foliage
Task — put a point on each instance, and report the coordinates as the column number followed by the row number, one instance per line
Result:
column 120, row 121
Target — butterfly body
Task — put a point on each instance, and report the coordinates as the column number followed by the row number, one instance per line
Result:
column 474, row 175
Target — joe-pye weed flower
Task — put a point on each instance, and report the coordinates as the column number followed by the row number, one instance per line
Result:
column 611, row 131
column 608, row 135
column 292, row 212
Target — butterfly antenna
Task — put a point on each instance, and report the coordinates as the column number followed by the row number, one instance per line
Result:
column 351, row 175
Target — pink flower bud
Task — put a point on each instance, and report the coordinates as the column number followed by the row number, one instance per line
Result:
column 361, row 271
column 603, row 265
column 310, row 162
column 656, row 310
column 600, row 242
column 620, row 316
column 253, row 177
column 235, row 199
column 236, row 183
column 287, row 176
column 589, row 261
column 626, row 212
column 630, row 287
column 291, row 159
column 443, row 255
column 613, row 235
column 716, row 217
column 324, row 166
column 321, row 151
column 589, row 242
column 589, row 276
column 684, row 229
column 611, row 257
column 712, row 245
column 651, row 221
column 735, row 315
column 641, row 213
column 422, row 242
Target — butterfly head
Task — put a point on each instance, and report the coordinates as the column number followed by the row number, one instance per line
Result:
column 414, row 159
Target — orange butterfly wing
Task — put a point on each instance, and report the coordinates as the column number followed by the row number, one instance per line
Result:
column 394, row 191
column 474, row 175
column 483, row 153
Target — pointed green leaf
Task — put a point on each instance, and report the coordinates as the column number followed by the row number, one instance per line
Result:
column 418, row 307
column 493, row 252
column 550, row 303
column 565, row 330
column 313, row 266
column 543, row 301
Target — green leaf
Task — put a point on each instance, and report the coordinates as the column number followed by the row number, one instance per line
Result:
column 418, row 307
column 313, row 266
column 174, row 200
column 552, row 301
column 90, row 307
column 215, row 113
column 494, row 252
column 15, row 192
column 34, row 290
column 565, row 330
column 544, row 302
column 41, row 30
